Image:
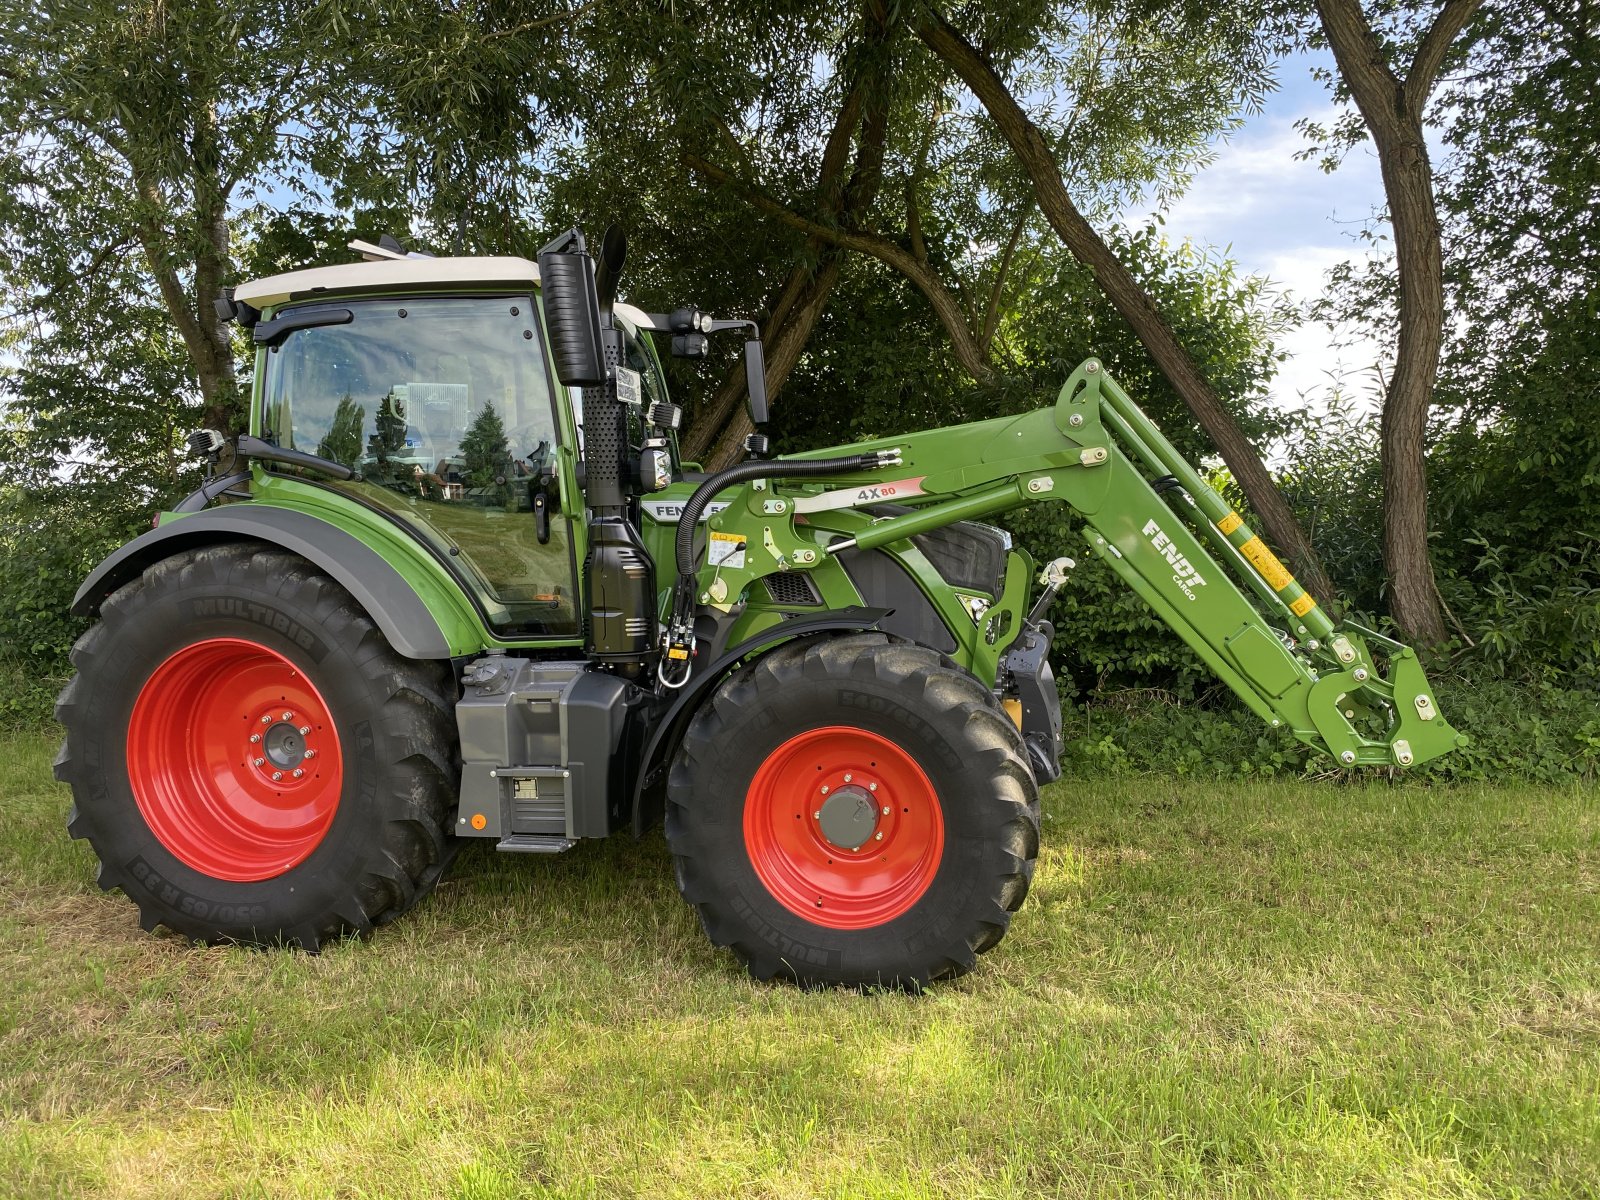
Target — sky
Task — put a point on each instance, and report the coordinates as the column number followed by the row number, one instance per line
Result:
column 1288, row 220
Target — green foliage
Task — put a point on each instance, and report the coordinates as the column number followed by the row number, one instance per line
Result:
column 1538, row 732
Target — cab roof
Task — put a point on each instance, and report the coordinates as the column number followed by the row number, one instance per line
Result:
column 390, row 273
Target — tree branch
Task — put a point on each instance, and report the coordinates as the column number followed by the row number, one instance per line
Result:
column 945, row 306
column 1149, row 323
column 1378, row 94
column 991, row 320
column 1430, row 55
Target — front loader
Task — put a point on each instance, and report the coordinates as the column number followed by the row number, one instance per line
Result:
column 456, row 583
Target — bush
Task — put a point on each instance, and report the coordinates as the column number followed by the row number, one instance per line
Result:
column 1533, row 732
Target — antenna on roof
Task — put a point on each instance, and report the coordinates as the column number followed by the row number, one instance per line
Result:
column 387, row 250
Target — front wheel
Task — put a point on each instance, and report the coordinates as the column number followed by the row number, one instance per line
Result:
column 250, row 759
column 854, row 811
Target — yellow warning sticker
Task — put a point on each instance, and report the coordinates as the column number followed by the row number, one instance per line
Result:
column 1229, row 523
column 1303, row 605
column 1265, row 561
column 726, row 550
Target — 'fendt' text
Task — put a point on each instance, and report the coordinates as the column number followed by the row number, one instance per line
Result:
column 1184, row 574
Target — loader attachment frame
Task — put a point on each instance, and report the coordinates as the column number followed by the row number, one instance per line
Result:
column 1341, row 688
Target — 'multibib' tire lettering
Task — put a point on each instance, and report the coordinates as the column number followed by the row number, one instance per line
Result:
column 261, row 614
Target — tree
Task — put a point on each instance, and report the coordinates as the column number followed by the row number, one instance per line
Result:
column 1037, row 158
column 485, row 450
column 343, row 441
column 1393, row 106
column 156, row 118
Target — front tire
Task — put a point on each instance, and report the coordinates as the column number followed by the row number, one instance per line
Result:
column 855, row 811
column 249, row 758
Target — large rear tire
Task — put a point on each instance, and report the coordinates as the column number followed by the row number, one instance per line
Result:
column 249, row 758
column 855, row 811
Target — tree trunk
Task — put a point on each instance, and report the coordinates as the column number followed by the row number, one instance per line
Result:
column 783, row 353
column 1129, row 299
column 720, row 434
column 1392, row 109
column 1413, row 594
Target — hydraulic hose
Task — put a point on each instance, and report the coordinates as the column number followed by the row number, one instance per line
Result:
column 744, row 473
column 679, row 638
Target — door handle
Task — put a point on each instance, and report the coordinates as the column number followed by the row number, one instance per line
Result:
column 541, row 516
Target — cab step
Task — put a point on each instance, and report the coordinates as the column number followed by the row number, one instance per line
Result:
column 536, row 843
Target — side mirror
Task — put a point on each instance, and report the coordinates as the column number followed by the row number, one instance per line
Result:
column 755, row 382
column 572, row 311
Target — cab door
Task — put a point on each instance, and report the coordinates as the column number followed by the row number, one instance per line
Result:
column 445, row 408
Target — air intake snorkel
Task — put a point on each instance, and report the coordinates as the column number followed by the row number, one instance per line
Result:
column 619, row 576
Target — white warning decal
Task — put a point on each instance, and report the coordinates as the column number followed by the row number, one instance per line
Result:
column 726, row 550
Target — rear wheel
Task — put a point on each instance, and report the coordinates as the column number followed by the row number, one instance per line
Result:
column 853, row 811
column 250, row 759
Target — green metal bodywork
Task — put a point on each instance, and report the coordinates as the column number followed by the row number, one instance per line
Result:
column 1280, row 654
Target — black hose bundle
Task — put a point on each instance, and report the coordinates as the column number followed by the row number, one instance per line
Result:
column 688, row 523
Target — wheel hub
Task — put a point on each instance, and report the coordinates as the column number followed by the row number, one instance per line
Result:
column 849, row 817
column 843, row 827
column 284, row 745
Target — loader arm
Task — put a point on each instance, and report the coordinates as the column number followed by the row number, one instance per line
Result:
column 1341, row 688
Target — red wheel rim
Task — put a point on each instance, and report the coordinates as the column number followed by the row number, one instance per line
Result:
column 850, row 784
column 234, row 760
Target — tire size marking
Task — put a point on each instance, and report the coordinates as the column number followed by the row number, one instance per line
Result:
column 190, row 905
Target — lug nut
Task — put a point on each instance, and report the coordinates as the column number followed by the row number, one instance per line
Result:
column 817, row 816
column 277, row 775
column 267, row 720
column 877, row 837
column 872, row 787
column 305, row 729
column 824, row 789
column 886, row 810
column 288, row 716
column 298, row 772
column 311, row 753
column 848, row 777
column 261, row 762
column 255, row 737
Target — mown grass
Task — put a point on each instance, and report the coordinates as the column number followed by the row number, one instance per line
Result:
column 1214, row 989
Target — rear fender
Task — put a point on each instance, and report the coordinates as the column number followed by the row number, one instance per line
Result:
column 388, row 598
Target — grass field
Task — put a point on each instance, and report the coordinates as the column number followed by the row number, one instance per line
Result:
column 1266, row 989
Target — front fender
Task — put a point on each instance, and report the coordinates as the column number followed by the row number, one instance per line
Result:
column 671, row 724
column 376, row 585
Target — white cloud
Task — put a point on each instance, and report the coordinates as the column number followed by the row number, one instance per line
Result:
column 1286, row 219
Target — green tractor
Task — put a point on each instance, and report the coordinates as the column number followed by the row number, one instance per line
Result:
column 455, row 582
